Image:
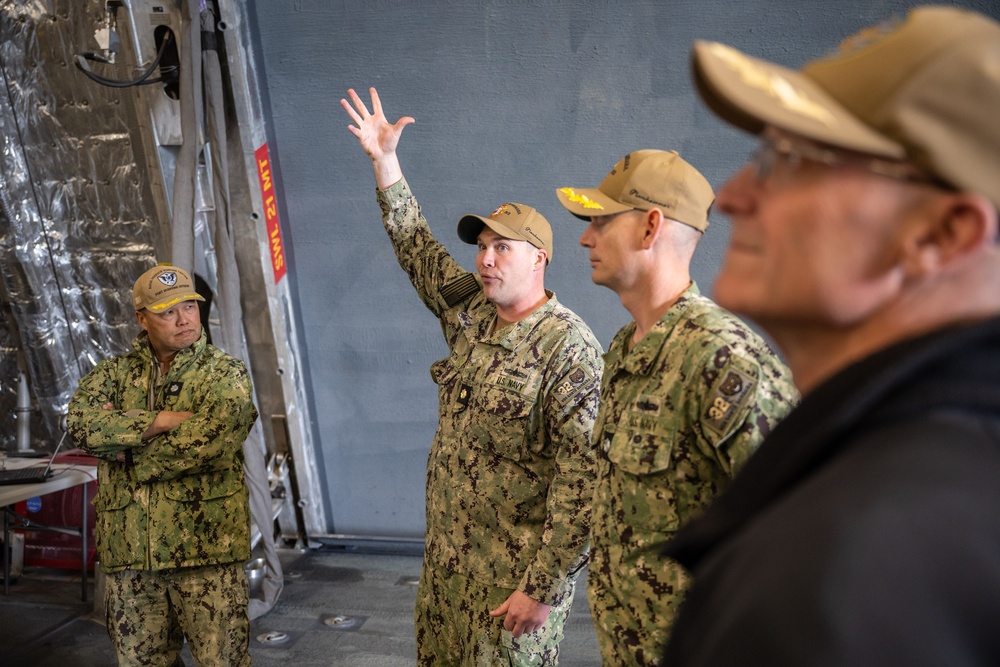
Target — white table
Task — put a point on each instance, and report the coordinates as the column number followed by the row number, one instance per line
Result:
column 64, row 476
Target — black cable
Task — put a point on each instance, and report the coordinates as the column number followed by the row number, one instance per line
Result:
column 82, row 58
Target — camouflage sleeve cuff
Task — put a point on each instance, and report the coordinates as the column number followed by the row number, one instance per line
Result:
column 545, row 588
column 393, row 197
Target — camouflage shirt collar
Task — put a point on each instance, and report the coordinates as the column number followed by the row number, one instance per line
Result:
column 141, row 345
column 640, row 360
column 510, row 337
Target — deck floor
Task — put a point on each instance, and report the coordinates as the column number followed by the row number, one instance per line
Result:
column 46, row 624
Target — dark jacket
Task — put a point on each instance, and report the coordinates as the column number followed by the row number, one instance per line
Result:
column 866, row 529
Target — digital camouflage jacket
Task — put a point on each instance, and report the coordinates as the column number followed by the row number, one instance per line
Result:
column 183, row 501
column 681, row 412
column 511, row 468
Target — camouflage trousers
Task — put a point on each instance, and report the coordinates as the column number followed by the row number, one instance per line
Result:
column 150, row 613
column 633, row 603
column 454, row 627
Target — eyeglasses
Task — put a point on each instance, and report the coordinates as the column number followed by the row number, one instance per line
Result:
column 790, row 153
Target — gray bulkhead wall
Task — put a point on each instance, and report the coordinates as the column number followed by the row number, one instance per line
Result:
column 512, row 99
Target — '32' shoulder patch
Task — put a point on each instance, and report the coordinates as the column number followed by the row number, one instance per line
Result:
column 727, row 400
column 571, row 384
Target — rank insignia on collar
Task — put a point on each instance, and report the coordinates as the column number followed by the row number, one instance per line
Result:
column 175, row 388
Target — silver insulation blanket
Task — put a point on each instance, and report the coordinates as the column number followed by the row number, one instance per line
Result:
column 76, row 222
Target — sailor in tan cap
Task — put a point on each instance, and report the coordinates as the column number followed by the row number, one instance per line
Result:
column 511, row 468
column 866, row 529
column 167, row 421
column 689, row 392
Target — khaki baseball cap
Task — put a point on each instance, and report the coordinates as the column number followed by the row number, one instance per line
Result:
column 511, row 221
column 163, row 286
column 925, row 89
column 643, row 180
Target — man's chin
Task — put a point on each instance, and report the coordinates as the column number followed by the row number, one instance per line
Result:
column 599, row 278
column 188, row 338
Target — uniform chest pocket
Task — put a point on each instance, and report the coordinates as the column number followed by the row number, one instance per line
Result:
column 642, row 477
column 443, row 371
column 501, row 421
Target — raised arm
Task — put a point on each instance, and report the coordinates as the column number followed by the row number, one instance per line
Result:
column 377, row 136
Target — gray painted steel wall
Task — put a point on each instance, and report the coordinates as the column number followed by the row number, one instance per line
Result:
column 512, row 99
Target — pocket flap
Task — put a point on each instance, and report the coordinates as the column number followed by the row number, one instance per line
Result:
column 113, row 495
column 640, row 452
column 204, row 486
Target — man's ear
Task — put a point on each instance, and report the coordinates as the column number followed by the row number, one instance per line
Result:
column 141, row 319
column 956, row 226
column 653, row 222
column 541, row 258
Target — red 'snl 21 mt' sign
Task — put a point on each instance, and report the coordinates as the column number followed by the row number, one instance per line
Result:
column 271, row 213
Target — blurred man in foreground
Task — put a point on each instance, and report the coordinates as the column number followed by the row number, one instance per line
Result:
column 866, row 529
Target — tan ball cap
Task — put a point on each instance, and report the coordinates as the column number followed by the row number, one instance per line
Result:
column 511, row 221
column 643, row 180
column 163, row 286
column 924, row 89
